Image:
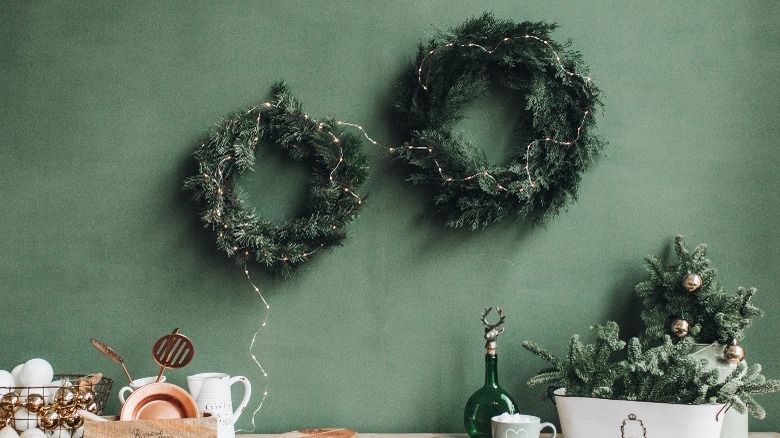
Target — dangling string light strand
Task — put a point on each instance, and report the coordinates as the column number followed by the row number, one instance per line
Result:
column 263, row 323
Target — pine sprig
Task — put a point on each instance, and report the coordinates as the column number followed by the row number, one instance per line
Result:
column 542, row 176
column 338, row 168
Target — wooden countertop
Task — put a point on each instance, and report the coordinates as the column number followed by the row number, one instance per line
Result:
column 463, row 435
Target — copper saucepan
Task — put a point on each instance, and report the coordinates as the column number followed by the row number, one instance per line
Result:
column 157, row 401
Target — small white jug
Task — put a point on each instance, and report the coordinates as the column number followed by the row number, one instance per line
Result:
column 211, row 392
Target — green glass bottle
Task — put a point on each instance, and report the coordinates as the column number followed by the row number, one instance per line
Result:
column 490, row 400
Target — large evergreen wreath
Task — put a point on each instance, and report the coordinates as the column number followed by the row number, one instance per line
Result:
column 543, row 173
column 337, row 169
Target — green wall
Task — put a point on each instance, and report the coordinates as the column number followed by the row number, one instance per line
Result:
column 104, row 102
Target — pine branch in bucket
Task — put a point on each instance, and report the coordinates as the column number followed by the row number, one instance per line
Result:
column 666, row 373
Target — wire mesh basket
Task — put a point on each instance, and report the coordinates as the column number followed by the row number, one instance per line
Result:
column 56, row 405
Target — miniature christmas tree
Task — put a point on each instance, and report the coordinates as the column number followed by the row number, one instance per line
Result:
column 685, row 299
column 682, row 304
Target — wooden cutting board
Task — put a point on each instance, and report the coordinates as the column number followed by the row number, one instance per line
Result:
column 320, row 433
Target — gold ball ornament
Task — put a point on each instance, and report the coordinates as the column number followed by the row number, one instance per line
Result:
column 49, row 418
column 66, row 396
column 733, row 353
column 9, row 401
column 681, row 328
column 74, row 422
column 93, row 407
column 86, row 397
column 691, row 282
column 35, row 402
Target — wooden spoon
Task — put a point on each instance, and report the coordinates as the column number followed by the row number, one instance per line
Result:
column 111, row 354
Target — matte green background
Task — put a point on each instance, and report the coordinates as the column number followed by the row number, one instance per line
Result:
column 104, row 102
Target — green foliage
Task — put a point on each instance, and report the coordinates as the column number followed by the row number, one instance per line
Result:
column 543, row 174
column 665, row 373
column 338, row 168
column 714, row 315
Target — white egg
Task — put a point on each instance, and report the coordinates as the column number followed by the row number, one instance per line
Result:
column 33, row 433
column 36, row 372
column 23, row 419
column 78, row 433
column 8, row 432
column 6, row 382
column 15, row 372
column 60, row 433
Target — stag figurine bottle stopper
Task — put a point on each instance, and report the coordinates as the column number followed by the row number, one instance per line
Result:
column 490, row 400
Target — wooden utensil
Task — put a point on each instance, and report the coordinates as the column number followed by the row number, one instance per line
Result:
column 172, row 351
column 111, row 354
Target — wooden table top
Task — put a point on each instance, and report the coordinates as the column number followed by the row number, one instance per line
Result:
column 463, row 435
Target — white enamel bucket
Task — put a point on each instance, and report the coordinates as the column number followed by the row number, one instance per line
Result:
column 590, row 417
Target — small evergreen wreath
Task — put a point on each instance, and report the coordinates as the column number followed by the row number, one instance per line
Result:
column 338, row 169
column 543, row 174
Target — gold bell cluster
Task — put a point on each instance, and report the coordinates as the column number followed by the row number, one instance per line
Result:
column 49, row 407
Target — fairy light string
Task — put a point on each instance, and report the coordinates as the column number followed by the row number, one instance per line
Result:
column 263, row 323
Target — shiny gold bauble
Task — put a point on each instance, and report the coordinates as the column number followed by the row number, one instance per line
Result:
column 733, row 353
column 86, row 397
column 9, row 401
column 680, row 328
column 66, row 396
column 35, row 402
column 74, row 421
column 49, row 418
column 65, row 411
column 691, row 282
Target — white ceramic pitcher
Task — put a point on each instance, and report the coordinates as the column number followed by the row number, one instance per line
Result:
column 211, row 392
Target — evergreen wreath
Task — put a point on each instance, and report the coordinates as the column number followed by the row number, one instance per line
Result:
column 338, row 169
column 543, row 173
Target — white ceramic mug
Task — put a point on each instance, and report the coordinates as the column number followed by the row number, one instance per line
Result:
column 211, row 392
column 135, row 384
column 520, row 426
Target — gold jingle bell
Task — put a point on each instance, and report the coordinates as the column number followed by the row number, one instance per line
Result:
column 35, row 402
column 691, row 282
column 65, row 396
column 49, row 418
column 86, row 397
column 9, row 401
column 681, row 328
column 74, row 422
column 733, row 353
column 93, row 407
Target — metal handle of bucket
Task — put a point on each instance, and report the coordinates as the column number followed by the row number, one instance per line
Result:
column 632, row 417
column 551, row 394
column 724, row 409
